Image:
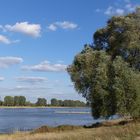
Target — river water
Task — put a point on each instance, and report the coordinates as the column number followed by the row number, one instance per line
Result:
column 12, row 120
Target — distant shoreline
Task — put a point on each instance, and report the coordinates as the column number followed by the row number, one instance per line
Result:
column 18, row 107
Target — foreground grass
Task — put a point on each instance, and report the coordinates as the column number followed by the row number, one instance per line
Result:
column 130, row 131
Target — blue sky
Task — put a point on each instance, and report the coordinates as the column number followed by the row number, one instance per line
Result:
column 39, row 39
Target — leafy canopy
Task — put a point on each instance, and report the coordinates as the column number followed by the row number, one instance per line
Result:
column 107, row 73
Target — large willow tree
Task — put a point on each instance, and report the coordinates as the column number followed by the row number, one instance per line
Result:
column 107, row 73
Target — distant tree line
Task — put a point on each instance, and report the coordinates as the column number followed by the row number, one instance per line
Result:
column 21, row 101
column 71, row 103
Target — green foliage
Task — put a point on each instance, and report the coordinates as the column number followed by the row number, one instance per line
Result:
column 1, row 103
column 107, row 73
column 41, row 102
column 54, row 102
column 28, row 103
column 67, row 103
column 19, row 100
column 8, row 101
column 71, row 103
column 22, row 100
column 121, row 37
column 126, row 88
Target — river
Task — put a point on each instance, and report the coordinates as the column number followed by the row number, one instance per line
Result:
column 23, row 119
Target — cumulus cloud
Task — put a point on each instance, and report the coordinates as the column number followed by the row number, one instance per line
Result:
column 9, row 61
column 121, row 10
column 46, row 66
column 5, row 40
column 66, row 25
column 112, row 11
column 52, row 27
column 130, row 7
column 109, row 10
column 62, row 25
column 25, row 28
column 31, row 79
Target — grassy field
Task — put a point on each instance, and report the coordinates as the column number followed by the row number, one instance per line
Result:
column 108, row 131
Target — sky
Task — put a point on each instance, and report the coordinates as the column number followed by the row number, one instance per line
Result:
column 39, row 39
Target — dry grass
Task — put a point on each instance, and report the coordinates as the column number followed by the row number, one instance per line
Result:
column 130, row 131
column 60, row 128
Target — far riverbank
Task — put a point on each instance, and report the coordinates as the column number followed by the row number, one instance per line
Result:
column 14, row 107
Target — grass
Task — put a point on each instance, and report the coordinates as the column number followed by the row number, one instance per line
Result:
column 113, row 130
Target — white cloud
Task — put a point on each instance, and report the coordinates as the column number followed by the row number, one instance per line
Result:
column 119, row 11
column 4, row 39
column 126, row 7
column 9, row 61
column 46, row 66
column 62, row 25
column 31, row 79
column 25, row 28
column 2, row 78
column 66, row 25
column 7, row 41
column 112, row 11
column 52, row 27
column 129, row 7
column 109, row 11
